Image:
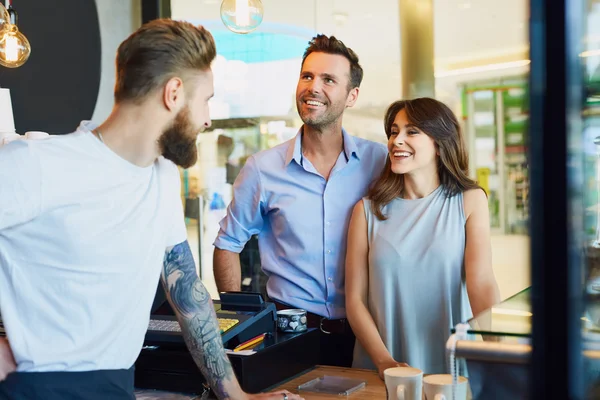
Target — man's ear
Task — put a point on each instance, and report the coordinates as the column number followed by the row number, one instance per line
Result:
column 173, row 94
column 352, row 97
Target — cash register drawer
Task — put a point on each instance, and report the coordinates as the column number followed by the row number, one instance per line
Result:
column 280, row 357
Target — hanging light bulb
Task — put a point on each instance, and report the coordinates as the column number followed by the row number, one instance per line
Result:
column 14, row 46
column 241, row 16
column 4, row 18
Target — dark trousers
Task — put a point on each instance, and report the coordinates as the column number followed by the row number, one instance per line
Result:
column 88, row 385
column 337, row 348
column 337, row 338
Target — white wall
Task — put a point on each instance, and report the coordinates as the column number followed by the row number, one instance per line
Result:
column 118, row 19
column 511, row 263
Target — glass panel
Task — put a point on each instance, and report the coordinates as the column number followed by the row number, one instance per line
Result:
column 246, row 90
column 514, row 106
column 590, row 58
column 512, row 317
column 496, row 122
column 482, row 118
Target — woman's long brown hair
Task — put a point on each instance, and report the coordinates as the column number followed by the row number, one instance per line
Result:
column 437, row 121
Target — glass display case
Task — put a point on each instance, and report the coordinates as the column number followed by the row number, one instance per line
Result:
column 545, row 341
column 206, row 188
column 497, row 350
column 498, row 345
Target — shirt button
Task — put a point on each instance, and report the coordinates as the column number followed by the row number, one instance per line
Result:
column 330, row 279
column 327, row 223
column 328, row 251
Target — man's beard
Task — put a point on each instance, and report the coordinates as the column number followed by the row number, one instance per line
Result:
column 178, row 141
column 320, row 121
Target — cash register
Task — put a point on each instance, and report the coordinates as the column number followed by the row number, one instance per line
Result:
column 241, row 316
column 166, row 364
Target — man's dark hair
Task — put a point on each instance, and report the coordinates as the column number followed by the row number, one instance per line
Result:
column 331, row 45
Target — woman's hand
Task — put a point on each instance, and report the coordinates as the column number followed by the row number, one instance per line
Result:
column 389, row 364
column 7, row 360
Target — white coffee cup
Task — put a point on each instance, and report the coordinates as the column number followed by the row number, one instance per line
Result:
column 36, row 135
column 403, row 383
column 439, row 387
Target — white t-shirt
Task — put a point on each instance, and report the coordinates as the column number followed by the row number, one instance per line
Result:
column 83, row 234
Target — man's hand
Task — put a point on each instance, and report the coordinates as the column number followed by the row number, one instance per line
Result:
column 7, row 360
column 279, row 395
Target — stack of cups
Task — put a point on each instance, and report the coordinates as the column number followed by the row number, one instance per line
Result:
column 7, row 122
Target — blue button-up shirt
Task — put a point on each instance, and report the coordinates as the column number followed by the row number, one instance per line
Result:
column 301, row 219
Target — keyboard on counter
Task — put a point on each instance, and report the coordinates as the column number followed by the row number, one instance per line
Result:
column 241, row 316
column 161, row 325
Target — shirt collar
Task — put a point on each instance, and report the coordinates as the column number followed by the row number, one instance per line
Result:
column 350, row 147
column 294, row 151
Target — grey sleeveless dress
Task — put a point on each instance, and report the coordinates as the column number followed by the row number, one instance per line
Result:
column 417, row 289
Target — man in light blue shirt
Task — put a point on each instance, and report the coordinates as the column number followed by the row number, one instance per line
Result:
column 298, row 198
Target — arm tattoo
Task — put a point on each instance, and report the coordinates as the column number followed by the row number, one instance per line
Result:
column 195, row 312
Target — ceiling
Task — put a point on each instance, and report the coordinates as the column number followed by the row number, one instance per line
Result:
column 466, row 33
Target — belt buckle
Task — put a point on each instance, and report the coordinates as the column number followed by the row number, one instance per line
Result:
column 321, row 326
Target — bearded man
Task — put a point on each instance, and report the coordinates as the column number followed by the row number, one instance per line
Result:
column 90, row 220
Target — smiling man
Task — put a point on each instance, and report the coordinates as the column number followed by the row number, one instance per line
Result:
column 298, row 198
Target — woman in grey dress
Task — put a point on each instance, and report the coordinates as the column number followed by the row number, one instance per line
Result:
column 419, row 252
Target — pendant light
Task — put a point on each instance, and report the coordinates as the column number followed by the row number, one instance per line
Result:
column 14, row 46
column 241, row 16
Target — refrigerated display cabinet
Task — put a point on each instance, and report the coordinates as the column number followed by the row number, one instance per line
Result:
column 495, row 119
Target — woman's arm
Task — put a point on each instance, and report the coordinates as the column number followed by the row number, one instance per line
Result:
column 357, row 283
column 481, row 283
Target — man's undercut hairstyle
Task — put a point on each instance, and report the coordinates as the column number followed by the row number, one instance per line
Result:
column 160, row 50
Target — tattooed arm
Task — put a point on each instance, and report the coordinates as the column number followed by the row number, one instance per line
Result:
column 200, row 328
column 195, row 312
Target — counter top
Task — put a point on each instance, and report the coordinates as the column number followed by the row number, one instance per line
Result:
column 375, row 388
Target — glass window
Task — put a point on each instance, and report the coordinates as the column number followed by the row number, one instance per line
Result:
column 480, row 57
